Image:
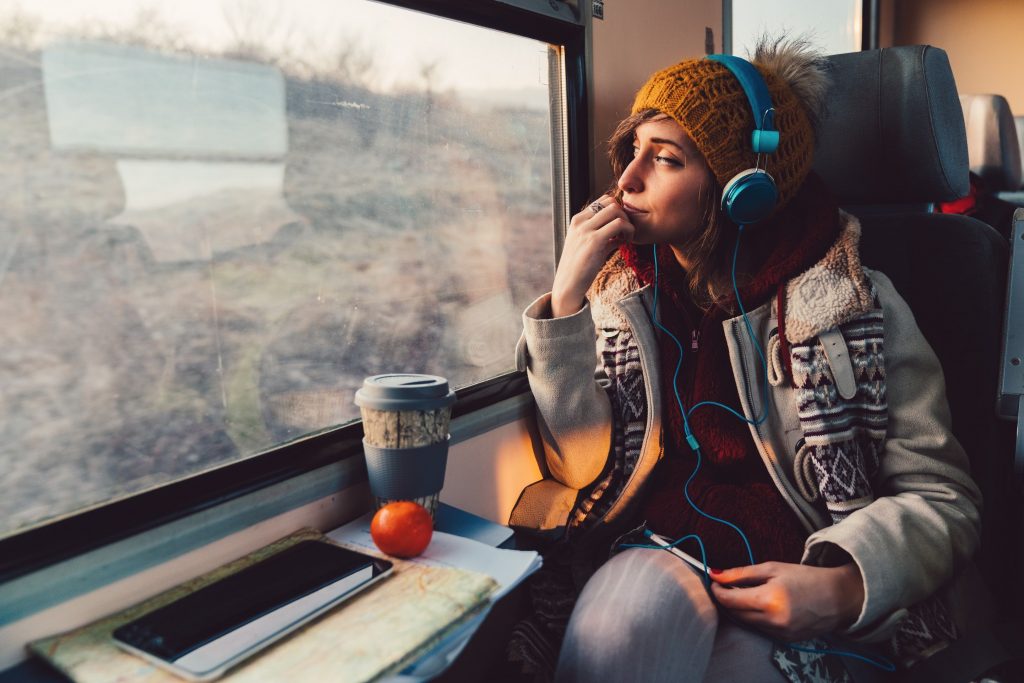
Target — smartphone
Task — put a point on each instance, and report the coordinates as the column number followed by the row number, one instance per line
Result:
column 203, row 634
column 685, row 557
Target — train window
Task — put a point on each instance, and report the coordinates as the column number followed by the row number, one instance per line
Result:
column 833, row 27
column 218, row 218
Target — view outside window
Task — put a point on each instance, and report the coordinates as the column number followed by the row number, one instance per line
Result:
column 218, row 217
column 832, row 26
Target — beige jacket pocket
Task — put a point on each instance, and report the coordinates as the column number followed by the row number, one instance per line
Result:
column 543, row 509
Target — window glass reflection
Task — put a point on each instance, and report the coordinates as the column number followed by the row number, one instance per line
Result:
column 216, row 219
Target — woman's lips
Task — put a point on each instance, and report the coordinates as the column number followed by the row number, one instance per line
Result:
column 630, row 209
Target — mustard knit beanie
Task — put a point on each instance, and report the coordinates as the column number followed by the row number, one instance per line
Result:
column 706, row 99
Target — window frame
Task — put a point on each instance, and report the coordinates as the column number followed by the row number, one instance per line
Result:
column 869, row 25
column 78, row 533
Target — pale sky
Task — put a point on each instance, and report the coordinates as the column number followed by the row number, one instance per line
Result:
column 401, row 40
column 834, row 26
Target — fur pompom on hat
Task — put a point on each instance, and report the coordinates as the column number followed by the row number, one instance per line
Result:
column 706, row 99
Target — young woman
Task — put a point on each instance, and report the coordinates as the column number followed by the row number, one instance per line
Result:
column 758, row 389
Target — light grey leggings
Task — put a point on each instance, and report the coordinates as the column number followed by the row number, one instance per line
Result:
column 646, row 616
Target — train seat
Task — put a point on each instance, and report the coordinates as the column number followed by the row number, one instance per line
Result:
column 892, row 145
column 995, row 160
column 992, row 147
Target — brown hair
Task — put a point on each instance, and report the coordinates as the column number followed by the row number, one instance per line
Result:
column 709, row 251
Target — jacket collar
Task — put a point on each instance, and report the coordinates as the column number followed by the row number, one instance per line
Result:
column 833, row 291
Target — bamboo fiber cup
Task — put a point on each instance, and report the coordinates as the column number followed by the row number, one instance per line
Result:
column 405, row 427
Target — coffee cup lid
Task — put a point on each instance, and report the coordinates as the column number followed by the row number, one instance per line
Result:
column 404, row 391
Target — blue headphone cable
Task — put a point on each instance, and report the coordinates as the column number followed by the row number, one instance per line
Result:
column 688, row 432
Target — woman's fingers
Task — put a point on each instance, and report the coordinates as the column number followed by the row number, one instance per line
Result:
column 598, row 214
column 792, row 599
column 763, row 622
column 750, row 574
column 596, row 206
column 741, row 599
column 609, row 210
column 609, row 224
column 594, row 209
column 593, row 234
column 763, row 607
column 616, row 231
column 603, row 201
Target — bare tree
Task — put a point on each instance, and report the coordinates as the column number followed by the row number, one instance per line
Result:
column 19, row 29
column 353, row 63
column 428, row 73
column 148, row 29
column 258, row 30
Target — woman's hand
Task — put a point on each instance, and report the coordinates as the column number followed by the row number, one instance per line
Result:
column 592, row 235
column 792, row 601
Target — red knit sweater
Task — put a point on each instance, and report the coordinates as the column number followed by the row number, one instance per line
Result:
column 732, row 481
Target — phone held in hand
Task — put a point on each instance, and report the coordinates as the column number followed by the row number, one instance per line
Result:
column 203, row 634
column 685, row 557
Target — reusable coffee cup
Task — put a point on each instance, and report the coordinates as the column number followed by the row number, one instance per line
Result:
column 405, row 427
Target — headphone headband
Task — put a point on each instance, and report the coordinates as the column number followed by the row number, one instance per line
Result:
column 764, row 139
column 750, row 196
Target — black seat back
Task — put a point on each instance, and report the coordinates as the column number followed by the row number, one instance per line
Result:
column 894, row 137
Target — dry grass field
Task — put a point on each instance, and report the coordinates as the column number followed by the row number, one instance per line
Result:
column 137, row 347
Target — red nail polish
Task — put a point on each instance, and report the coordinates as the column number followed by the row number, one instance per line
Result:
column 715, row 571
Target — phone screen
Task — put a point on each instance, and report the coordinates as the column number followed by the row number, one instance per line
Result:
column 207, row 631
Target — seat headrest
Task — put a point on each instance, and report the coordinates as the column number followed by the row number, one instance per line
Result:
column 992, row 147
column 893, row 132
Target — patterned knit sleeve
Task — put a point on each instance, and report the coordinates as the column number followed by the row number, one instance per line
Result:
column 924, row 524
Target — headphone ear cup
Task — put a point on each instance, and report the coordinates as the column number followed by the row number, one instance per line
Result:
column 749, row 196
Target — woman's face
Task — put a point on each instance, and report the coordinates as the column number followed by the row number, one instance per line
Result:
column 665, row 186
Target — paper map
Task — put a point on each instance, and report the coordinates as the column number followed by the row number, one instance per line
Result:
column 372, row 634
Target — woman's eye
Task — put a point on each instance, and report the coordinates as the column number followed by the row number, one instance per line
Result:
column 636, row 150
column 667, row 160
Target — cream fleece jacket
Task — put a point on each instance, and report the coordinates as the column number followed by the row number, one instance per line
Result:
column 922, row 529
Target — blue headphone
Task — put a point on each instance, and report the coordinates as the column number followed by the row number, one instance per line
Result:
column 751, row 195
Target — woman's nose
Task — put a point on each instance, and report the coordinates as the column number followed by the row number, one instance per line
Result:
column 630, row 180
